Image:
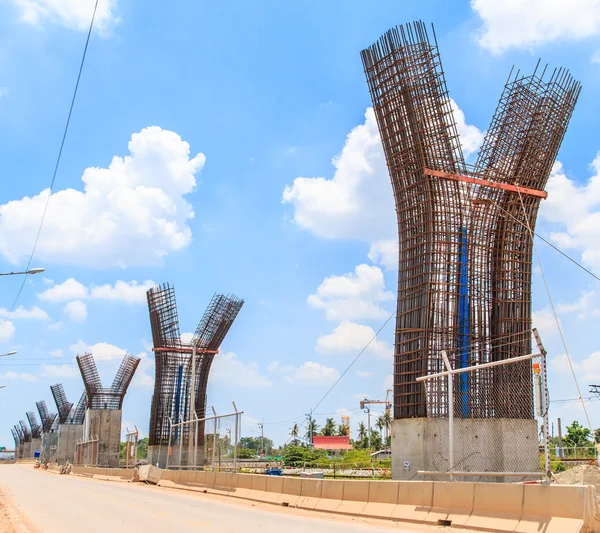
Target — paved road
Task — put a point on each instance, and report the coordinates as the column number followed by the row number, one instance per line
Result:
column 69, row 504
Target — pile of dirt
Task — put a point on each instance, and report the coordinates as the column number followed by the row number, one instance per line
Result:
column 580, row 475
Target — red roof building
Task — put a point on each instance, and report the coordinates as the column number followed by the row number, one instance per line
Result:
column 335, row 444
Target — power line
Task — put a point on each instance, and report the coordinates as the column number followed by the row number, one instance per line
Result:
column 568, row 257
column 62, row 144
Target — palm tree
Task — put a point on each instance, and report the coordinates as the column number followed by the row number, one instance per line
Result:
column 380, row 424
column 329, row 428
column 362, row 431
column 294, row 433
column 343, row 430
column 312, row 429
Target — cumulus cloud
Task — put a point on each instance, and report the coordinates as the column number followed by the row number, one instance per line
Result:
column 350, row 338
column 35, row 313
column 229, row 370
column 66, row 371
column 186, row 338
column 355, row 295
column 312, row 372
column 72, row 14
column 543, row 320
column 7, row 330
column 17, row 376
column 132, row 213
column 385, row 253
column 588, row 368
column 575, row 223
column 144, row 375
column 102, row 351
column 121, row 291
column 529, row 23
column 357, row 203
column 76, row 311
column 361, row 374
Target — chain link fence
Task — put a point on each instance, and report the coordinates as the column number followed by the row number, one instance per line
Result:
column 212, row 443
column 495, row 425
column 131, row 445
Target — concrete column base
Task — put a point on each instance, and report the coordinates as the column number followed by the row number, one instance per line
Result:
column 480, row 445
column 106, row 425
column 68, row 434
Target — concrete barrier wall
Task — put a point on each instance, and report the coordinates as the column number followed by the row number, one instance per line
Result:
column 497, row 507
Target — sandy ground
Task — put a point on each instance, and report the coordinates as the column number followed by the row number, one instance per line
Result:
column 71, row 504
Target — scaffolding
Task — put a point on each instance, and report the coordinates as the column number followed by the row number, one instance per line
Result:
column 465, row 232
column 175, row 371
column 36, row 429
column 98, row 396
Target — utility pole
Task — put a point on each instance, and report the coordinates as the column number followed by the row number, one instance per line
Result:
column 365, row 405
column 262, row 437
column 310, row 427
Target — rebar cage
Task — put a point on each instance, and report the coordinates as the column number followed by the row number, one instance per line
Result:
column 173, row 360
column 68, row 413
column 36, row 429
column 46, row 417
column 98, row 396
column 465, row 232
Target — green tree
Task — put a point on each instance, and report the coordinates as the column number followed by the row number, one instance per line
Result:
column 380, row 425
column 362, row 436
column 142, row 448
column 312, row 429
column 343, row 430
column 577, row 435
column 597, row 435
column 294, row 434
column 376, row 440
column 329, row 428
column 254, row 443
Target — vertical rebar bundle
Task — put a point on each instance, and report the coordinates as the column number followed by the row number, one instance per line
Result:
column 25, row 431
column 99, row 397
column 36, row 429
column 68, row 413
column 16, row 437
column 465, row 233
column 173, row 360
column 20, row 434
column 46, row 417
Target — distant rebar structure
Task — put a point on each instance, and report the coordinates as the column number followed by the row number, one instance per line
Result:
column 99, row 397
column 173, row 359
column 20, row 434
column 16, row 437
column 46, row 417
column 465, row 233
column 25, row 431
column 36, row 429
column 68, row 413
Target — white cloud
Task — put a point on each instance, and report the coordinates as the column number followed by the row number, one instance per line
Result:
column 55, row 326
column 144, row 375
column 388, row 382
column 186, row 338
column 272, row 366
column 56, row 353
column 543, row 320
column 588, row 369
column 312, row 372
column 7, row 330
column 353, row 296
column 102, row 351
column 17, row 376
column 35, row 313
column 70, row 289
column 357, row 203
column 76, row 311
column 471, row 137
column 60, row 371
column 529, row 23
column 228, row 370
column 121, row 291
column 586, row 306
column 596, row 57
column 574, row 211
column 72, row 14
column 385, row 253
column 361, row 374
column 132, row 213
column 350, row 338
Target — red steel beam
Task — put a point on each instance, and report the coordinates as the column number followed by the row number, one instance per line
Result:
column 486, row 183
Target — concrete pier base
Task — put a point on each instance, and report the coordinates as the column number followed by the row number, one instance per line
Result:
column 26, row 451
column 106, row 425
column 68, row 435
column 36, row 446
column 49, row 441
column 480, row 445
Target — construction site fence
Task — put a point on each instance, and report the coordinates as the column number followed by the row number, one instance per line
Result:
column 208, row 443
column 131, row 445
column 503, row 442
column 86, row 452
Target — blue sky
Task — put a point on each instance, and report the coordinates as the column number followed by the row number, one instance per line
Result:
column 229, row 147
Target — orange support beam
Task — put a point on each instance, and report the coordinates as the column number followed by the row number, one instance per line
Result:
column 486, row 183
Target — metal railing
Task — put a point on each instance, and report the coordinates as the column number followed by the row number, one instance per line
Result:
column 86, row 452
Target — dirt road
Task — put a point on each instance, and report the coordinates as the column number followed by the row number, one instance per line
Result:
column 49, row 503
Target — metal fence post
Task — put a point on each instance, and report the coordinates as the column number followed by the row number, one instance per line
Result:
column 235, row 439
column 180, row 436
column 450, row 413
column 169, row 446
column 214, row 450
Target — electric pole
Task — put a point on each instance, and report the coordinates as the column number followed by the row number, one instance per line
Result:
column 310, row 427
column 262, row 437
